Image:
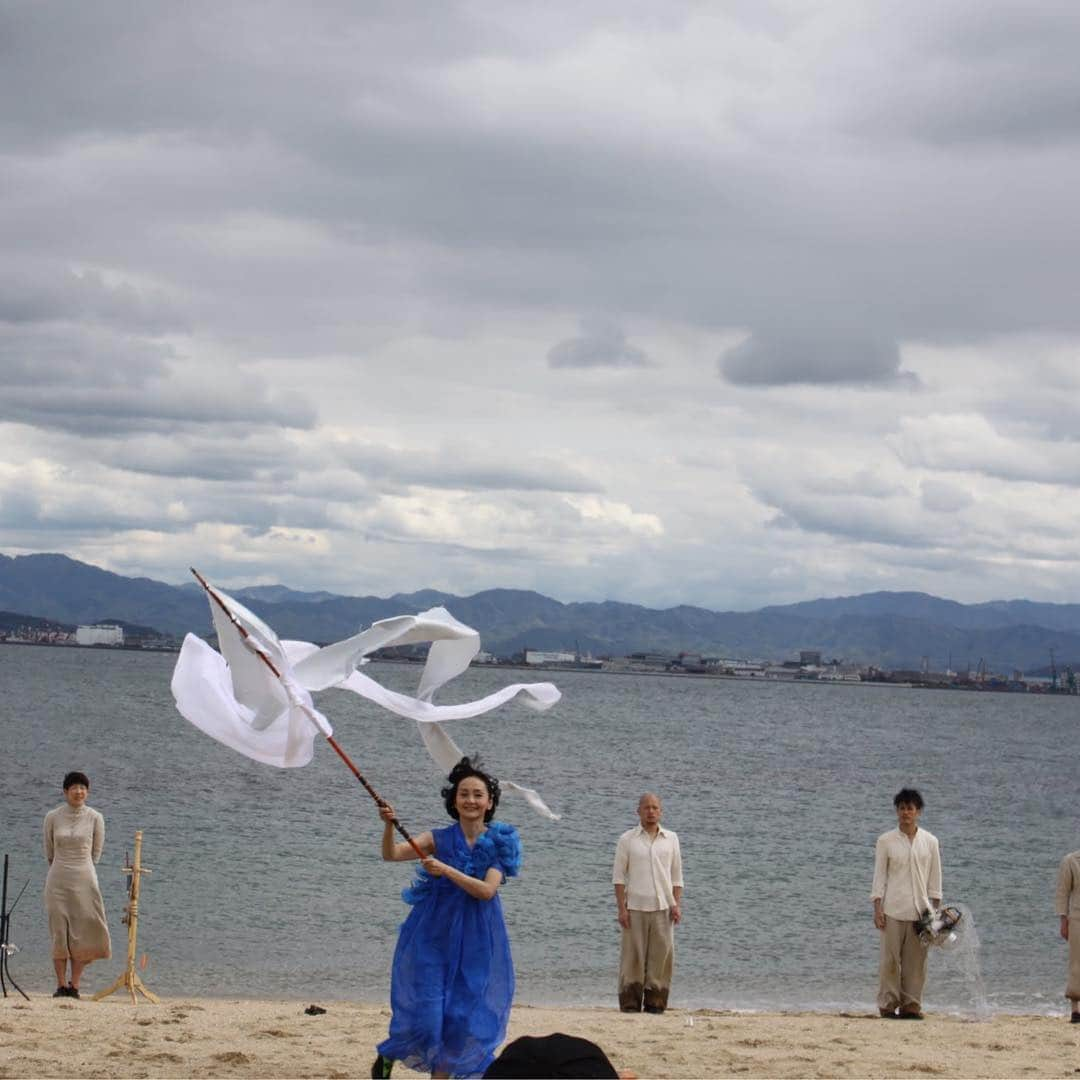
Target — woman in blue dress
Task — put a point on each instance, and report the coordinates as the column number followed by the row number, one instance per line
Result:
column 453, row 978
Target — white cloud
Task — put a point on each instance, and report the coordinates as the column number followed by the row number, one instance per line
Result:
column 969, row 443
column 944, row 497
column 315, row 316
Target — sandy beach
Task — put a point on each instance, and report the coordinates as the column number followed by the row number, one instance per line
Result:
column 205, row 1037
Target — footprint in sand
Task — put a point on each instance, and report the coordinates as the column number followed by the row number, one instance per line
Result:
column 232, row 1057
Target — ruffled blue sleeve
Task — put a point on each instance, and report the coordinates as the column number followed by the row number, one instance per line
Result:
column 500, row 846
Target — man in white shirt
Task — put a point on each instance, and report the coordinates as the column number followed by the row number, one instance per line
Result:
column 1067, row 902
column 907, row 880
column 648, row 893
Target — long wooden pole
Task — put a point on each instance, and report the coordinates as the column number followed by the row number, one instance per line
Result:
column 379, row 800
column 130, row 977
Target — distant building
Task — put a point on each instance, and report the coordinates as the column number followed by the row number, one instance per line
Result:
column 647, row 662
column 836, row 673
column 809, row 658
column 536, row 656
column 744, row 669
column 99, row 635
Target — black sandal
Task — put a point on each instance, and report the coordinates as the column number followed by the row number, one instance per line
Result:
column 380, row 1067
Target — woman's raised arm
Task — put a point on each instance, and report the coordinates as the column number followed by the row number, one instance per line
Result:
column 394, row 852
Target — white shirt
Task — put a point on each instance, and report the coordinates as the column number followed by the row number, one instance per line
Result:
column 907, row 873
column 649, row 867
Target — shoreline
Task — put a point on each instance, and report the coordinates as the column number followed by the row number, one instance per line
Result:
column 342, row 997
column 232, row 1037
column 564, row 668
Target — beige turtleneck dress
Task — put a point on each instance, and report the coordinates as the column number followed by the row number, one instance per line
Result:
column 73, row 843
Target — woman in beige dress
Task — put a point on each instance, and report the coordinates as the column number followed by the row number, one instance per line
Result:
column 74, row 837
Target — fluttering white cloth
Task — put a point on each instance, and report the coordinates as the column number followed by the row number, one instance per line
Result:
column 237, row 699
column 453, row 646
column 264, row 717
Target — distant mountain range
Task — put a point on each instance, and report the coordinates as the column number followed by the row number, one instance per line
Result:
column 889, row 629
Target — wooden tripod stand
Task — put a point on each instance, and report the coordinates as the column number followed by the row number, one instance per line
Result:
column 131, row 916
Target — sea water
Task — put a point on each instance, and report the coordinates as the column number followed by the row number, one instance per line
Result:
column 268, row 882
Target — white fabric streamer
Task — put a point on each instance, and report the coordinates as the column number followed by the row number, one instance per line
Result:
column 453, row 646
column 235, row 698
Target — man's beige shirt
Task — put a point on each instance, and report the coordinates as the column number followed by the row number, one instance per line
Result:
column 1067, row 900
column 648, row 867
column 907, row 873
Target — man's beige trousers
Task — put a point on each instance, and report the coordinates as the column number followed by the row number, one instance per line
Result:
column 648, row 951
column 1073, row 989
column 902, row 972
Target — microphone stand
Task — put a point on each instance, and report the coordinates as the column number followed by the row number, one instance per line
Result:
column 6, row 947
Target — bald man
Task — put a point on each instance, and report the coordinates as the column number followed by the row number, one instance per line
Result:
column 648, row 894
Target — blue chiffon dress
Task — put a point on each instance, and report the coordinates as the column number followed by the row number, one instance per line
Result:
column 452, row 982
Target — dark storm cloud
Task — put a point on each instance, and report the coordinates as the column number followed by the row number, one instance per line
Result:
column 320, row 115
column 771, row 359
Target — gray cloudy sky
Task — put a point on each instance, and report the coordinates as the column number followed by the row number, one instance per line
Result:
column 723, row 304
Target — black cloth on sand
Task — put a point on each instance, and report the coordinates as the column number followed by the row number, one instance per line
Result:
column 555, row 1055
